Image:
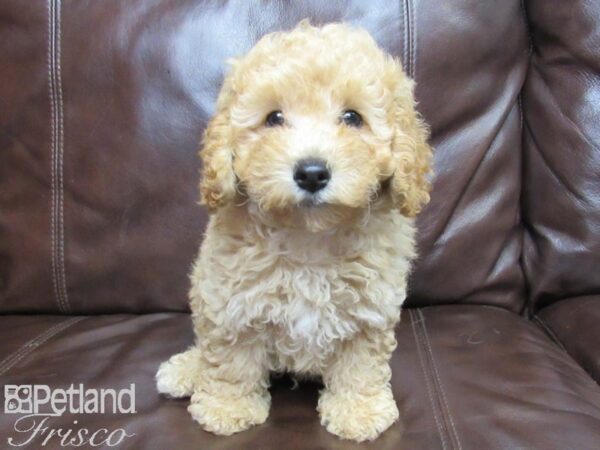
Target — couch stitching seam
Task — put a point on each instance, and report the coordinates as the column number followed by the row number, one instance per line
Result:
column 439, row 383
column 527, row 28
column 413, row 46
column 57, row 151
column 27, row 348
column 521, row 119
column 408, row 37
column 52, row 150
column 61, row 155
column 405, row 61
column 17, row 355
column 432, row 401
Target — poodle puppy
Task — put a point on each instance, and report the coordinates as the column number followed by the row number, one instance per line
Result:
column 314, row 167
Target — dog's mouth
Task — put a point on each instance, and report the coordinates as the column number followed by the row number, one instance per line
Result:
column 312, row 201
column 317, row 200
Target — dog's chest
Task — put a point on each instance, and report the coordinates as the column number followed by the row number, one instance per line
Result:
column 309, row 295
column 302, row 315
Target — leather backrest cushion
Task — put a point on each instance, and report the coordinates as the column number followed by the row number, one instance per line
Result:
column 102, row 105
column 561, row 195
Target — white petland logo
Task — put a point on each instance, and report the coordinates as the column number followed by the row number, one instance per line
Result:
column 38, row 404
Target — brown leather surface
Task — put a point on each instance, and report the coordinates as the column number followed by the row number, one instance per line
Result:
column 575, row 325
column 468, row 85
column 108, row 213
column 25, row 274
column 561, row 189
column 101, row 107
column 470, row 377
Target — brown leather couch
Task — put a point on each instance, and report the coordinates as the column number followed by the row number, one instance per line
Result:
column 101, row 107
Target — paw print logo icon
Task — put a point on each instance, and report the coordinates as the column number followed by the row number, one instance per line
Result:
column 18, row 399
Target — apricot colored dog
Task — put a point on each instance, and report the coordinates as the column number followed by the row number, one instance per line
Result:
column 314, row 167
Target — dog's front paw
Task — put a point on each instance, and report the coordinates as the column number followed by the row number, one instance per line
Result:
column 228, row 415
column 175, row 377
column 355, row 416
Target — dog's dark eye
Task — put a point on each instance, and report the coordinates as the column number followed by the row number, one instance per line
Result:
column 274, row 119
column 352, row 118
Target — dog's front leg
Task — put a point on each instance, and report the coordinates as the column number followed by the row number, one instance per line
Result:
column 357, row 402
column 231, row 387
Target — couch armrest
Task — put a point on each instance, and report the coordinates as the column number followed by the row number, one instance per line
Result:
column 574, row 324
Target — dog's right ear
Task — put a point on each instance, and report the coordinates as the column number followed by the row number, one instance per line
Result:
column 217, row 185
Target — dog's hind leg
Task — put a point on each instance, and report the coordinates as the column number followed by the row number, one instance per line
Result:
column 176, row 376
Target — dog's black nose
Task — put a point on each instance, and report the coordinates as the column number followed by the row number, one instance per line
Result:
column 311, row 175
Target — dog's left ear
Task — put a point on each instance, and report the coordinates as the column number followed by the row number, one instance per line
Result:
column 411, row 153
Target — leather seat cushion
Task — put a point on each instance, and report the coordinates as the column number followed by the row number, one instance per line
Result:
column 574, row 324
column 464, row 377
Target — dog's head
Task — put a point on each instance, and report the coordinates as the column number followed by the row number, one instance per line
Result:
column 313, row 125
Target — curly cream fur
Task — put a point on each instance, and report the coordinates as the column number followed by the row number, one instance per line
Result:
column 282, row 285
